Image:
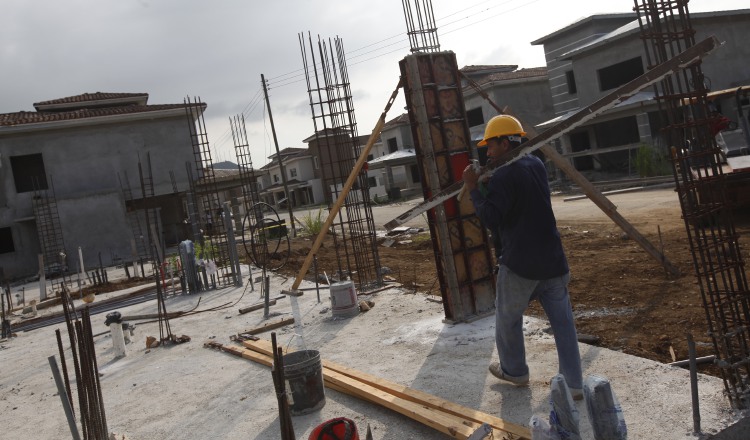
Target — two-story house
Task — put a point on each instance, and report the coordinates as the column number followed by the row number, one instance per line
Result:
column 83, row 156
column 593, row 56
column 392, row 166
column 302, row 183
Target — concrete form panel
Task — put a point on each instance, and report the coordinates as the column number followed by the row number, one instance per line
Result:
column 442, row 141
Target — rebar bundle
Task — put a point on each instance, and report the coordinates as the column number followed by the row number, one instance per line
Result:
column 338, row 146
column 49, row 229
column 213, row 239
column 420, row 25
column 701, row 185
column 91, row 412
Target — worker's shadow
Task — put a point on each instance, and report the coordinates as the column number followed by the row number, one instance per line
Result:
column 456, row 369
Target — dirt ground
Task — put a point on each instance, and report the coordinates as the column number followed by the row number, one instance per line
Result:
column 620, row 295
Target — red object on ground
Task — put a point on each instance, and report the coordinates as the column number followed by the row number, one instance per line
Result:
column 339, row 428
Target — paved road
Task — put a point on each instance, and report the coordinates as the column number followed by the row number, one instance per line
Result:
column 629, row 205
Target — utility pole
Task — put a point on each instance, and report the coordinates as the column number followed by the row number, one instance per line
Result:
column 281, row 162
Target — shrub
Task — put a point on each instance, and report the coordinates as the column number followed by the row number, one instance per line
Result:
column 312, row 224
column 649, row 162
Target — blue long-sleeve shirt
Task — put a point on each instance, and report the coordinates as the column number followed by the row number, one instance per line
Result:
column 517, row 206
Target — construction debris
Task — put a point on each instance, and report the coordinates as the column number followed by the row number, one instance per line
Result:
column 271, row 325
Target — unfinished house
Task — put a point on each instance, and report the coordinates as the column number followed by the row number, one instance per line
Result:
column 73, row 170
column 592, row 57
column 525, row 93
column 393, row 172
column 302, row 179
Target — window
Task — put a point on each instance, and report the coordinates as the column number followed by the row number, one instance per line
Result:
column 570, row 77
column 316, row 163
column 620, row 73
column 475, row 117
column 276, row 178
column 580, row 142
column 414, row 174
column 370, row 157
column 372, row 182
column 293, row 172
column 28, row 173
column 6, row 241
column 392, row 145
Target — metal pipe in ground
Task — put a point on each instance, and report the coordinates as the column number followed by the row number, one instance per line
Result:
column 694, row 384
column 315, row 269
column 64, row 399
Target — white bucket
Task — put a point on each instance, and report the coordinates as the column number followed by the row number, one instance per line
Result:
column 344, row 299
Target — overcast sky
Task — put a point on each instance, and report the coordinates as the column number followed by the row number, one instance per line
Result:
column 218, row 49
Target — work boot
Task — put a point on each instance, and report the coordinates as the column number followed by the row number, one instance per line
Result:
column 498, row 372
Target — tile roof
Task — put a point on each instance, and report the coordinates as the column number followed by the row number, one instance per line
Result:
column 87, row 97
column 21, row 118
column 398, row 120
column 482, row 68
column 532, row 72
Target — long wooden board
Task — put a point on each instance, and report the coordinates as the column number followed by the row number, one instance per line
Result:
column 656, row 74
column 449, row 424
column 281, row 322
column 408, row 394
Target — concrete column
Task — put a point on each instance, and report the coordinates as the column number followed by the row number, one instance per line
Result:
column 118, row 339
column 644, row 129
column 42, row 279
column 134, row 250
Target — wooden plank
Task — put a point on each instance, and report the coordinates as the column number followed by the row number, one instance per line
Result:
column 257, row 306
column 608, row 208
column 410, row 394
column 656, row 74
column 451, row 425
column 280, row 322
column 454, row 426
column 591, row 192
column 430, row 400
column 247, row 354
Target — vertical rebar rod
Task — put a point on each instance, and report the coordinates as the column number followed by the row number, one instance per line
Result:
column 702, row 189
column 694, row 385
column 339, row 145
column 420, row 25
column 67, row 407
column 68, row 390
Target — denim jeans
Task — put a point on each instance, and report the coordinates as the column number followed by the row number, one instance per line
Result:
column 513, row 296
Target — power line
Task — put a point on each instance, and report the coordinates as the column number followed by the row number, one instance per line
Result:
column 297, row 76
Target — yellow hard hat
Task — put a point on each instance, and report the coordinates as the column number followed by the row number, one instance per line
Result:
column 501, row 125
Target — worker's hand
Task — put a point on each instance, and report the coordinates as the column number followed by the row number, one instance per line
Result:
column 470, row 177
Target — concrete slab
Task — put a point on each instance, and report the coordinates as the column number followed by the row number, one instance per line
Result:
column 191, row 392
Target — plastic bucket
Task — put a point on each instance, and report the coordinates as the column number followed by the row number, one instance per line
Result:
column 344, row 299
column 303, row 374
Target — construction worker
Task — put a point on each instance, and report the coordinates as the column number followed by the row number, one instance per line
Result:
column 515, row 204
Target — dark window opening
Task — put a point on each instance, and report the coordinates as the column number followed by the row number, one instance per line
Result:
column 415, row 174
column 370, row 157
column 372, row 182
column 6, row 241
column 620, row 73
column 617, row 132
column 580, row 142
column 570, row 77
column 28, row 173
column 475, row 117
column 392, row 145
